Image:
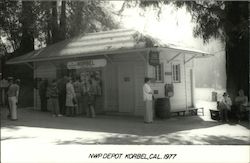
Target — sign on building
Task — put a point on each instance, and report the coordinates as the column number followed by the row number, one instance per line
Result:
column 154, row 59
column 93, row 63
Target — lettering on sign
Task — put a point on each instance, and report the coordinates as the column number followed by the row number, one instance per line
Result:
column 87, row 64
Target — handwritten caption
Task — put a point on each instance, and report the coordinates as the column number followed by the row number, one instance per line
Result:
column 131, row 156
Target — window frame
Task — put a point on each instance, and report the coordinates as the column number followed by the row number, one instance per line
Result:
column 176, row 72
column 158, row 75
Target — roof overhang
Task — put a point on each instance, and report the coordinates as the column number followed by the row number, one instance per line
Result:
column 19, row 60
column 193, row 53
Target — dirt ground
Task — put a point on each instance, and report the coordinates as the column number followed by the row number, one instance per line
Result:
column 42, row 129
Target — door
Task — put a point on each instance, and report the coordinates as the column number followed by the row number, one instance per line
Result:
column 126, row 87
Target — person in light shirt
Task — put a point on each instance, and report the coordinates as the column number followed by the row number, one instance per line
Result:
column 148, row 99
column 225, row 106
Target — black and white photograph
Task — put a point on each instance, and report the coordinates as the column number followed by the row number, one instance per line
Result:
column 124, row 81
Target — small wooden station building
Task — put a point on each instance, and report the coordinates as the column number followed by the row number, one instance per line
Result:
column 122, row 59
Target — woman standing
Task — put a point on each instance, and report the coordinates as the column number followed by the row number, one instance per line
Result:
column 70, row 98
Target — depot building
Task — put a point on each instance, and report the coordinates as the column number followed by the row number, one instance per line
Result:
column 120, row 59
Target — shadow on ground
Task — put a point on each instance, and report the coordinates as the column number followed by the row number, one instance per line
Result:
column 167, row 140
column 102, row 123
column 124, row 129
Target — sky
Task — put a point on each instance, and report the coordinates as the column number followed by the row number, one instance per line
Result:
column 174, row 26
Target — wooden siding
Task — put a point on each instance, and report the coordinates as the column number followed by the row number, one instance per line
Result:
column 182, row 91
column 112, row 88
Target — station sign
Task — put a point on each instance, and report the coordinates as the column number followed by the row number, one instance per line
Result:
column 154, row 58
column 91, row 63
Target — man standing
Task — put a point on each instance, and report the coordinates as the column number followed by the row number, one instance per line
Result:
column 62, row 94
column 43, row 94
column 13, row 93
column 77, row 88
column 225, row 106
column 148, row 98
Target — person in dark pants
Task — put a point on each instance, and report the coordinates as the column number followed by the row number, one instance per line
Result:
column 62, row 94
column 53, row 96
column 91, row 92
column 10, row 79
column 241, row 102
column 224, row 107
column 43, row 94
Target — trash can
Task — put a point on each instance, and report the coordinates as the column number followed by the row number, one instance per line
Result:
column 215, row 114
column 162, row 108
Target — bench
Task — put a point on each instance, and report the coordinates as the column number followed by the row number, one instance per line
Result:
column 179, row 112
column 191, row 111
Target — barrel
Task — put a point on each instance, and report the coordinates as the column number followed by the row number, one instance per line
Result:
column 162, row 108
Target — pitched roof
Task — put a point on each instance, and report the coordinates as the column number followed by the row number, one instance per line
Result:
column 91, row 44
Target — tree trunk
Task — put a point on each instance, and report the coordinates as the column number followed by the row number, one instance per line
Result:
column 27, row 20
column 237, row 50
column 63, row 21
column 54, row 23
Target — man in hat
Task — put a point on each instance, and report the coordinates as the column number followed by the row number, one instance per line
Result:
column 13, row 92
column 225, row 106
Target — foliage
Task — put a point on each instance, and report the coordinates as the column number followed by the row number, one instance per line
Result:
column 48, row 22
column 225, row 20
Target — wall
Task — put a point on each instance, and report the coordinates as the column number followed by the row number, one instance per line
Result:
column 182, row 91
column 137, row 61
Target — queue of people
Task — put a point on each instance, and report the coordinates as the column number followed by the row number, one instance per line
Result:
column 68, row 97
column 225, row 106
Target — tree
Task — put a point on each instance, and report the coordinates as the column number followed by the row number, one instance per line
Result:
column 228, row 21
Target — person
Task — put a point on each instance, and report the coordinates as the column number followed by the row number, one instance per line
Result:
column 13, row 93
column 4, row 87
column 10, row 80
column 241, row 101
column 62, row 94
column 77, row 88
column 84, row 95
column 53, row 96
column 224, row 107
column 148, row 99
column 91, row 93
column 70, row 98
column 43, row 94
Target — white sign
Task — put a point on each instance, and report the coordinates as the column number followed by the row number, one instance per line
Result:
column 87, row 64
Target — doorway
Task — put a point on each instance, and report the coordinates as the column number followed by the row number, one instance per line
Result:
column 126, row 87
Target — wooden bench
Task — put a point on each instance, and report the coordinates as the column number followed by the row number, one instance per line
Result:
column 179, row 112
column 191, row 111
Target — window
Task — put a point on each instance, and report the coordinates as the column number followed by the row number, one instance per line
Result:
column 176, row 73
column 159, row 73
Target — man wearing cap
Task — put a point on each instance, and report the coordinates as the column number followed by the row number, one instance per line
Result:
column 13, row 92
column 225, row 106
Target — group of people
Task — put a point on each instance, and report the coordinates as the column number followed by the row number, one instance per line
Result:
column 10, row 94
column 68, row 96
column 224, row 106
